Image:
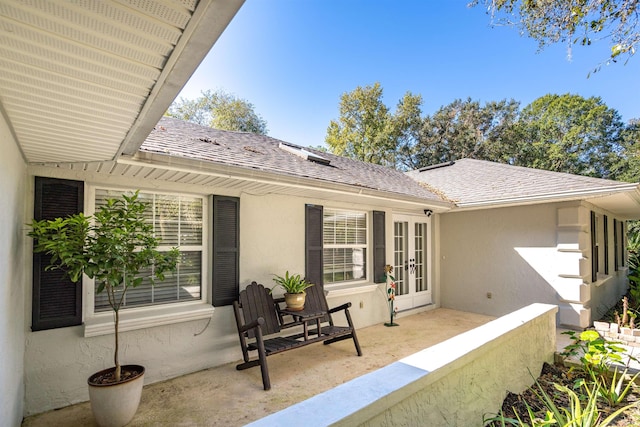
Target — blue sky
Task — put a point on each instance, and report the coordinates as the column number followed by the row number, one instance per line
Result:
column 292, row 59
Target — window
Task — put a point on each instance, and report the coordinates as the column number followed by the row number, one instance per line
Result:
column 623, row 245
column 605, row 221
column 178, row 221
column 618, row 243
column 594, row 247
column 344, row 239
column 600, row 246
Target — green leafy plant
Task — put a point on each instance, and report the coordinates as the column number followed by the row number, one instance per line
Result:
column 579, row 412
column 613, row 389
column 292, row 284
column 116, row 247
column 596, row 354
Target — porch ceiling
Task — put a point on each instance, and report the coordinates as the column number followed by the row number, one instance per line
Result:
column 87, row 81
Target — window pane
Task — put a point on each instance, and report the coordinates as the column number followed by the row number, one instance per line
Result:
column 344, row 238
column 344, row 264
column 344, row 228
column 183, row 285
column 176, row 220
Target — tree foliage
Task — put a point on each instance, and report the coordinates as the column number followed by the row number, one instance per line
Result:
column 563, row 133
column 569, row 133
column 573, row 21
column 364, row 130
column 219, row 110
column 466, row 129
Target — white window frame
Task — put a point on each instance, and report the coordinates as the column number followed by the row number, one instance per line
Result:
column 134, row 318
column 364, row 246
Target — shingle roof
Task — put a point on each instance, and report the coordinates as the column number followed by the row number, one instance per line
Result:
column 469, row 181
column 258, row 152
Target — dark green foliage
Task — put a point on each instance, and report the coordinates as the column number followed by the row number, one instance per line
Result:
column 562, row 133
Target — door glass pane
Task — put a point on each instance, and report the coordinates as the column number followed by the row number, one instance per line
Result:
column 400, row 249
column 421, row 256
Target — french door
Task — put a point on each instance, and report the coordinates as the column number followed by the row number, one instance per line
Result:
column 412, row 261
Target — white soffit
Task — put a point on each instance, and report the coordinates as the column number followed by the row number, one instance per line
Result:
column 624, row 204
column 88, row 80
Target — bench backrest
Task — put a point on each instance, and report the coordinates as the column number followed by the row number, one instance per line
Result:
column 317, row 301
column 256, row 301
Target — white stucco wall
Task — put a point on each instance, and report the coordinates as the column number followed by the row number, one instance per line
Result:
column 59, row 361
column 12, row 277
column 498, row 260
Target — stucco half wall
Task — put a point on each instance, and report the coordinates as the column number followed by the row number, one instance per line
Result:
column 13, row 175
column 454, row 383
column 495, row 261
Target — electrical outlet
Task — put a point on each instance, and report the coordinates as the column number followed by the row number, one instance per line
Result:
column 489, row 295
column 361, row 304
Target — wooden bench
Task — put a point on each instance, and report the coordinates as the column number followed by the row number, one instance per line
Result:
column 262, row 321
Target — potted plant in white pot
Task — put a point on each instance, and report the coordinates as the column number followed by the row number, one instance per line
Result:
column 294, row 286
column 118, row 249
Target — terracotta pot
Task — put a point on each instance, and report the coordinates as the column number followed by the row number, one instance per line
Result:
column 114, row 405
column 295, row 302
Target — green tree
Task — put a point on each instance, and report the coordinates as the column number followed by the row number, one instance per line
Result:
column 219, row 110
column 572, row 21
column 627, row 167
column 407, row 126
column 569, row 133
column 364, row 130
column 466, row 129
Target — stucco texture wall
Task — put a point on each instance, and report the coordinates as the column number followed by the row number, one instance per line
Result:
column 58, row 362
column 12, row 277
column 497, row 260
column 472, row 382
column 507, row 253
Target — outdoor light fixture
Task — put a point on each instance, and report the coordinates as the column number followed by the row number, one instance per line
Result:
column 428, row 212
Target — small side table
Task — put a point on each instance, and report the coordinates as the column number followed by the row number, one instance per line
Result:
column 305, row 316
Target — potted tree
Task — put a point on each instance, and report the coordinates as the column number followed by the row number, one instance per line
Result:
column 118, row 249
column 294, row 287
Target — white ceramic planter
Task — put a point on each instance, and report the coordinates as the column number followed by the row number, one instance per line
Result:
column 114, row 405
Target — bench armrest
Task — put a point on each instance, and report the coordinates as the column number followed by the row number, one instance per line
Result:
column 340, row 307
column 256, row 323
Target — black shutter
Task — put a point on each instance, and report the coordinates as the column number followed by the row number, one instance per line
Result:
column 56, row 300
column 606, row 244
column 226, row 250
column 594, row 249
column 313, row 244
column 616, row 246
column 623, row 248
column 379, row 247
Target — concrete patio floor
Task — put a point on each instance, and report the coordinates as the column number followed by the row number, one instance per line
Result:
column 223, row 396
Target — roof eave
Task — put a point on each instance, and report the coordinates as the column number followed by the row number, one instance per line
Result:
column 207, row 168
column 626, row 203
column 209, row 20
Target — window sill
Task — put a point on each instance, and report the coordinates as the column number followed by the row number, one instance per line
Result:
column 351, row 289
column 602, row 279
column 147, row 317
